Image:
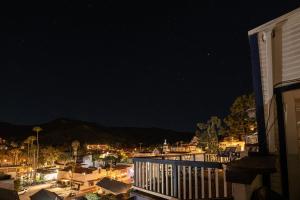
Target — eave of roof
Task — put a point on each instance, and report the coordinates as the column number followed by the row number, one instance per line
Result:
column 271, row 24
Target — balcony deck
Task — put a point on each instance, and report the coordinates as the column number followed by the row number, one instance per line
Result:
column 181, row 179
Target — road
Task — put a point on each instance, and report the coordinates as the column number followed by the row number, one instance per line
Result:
column 63, row 192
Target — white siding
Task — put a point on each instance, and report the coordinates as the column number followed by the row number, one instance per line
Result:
column 291, row 49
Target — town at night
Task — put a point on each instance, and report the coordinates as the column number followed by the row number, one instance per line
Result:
column 138, row 100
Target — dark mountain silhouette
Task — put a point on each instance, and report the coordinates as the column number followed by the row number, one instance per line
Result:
column 61, row 131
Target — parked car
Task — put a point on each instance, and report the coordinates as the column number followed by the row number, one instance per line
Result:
column 22, row 191
column 72, row 194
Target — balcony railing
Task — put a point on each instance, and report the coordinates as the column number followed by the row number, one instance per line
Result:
column 181, row 179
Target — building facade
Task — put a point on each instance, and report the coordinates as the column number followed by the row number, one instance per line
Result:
column 275, row 51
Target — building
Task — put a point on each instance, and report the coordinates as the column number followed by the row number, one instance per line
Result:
column 111, row 186
column 8, row 194
column 47, row 174
column 45, row 195
column 97, row 147
column 232, row 142
column 121, row 172
column 87, row 161
column 191, row 147
column 82, row 178
column 6, row 182
column 275, row 51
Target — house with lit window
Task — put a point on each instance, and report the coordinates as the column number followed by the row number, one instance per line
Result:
column 80, row 177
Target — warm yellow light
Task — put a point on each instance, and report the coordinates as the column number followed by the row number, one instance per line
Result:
column 5, row 160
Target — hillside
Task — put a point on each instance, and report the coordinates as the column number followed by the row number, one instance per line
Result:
column 62, row 131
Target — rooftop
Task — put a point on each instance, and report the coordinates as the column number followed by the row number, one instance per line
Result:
column 8, row 194
column 81, row 170
column 114, row 186
column 45, row 195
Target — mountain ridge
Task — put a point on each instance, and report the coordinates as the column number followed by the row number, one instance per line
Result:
column 63, row 130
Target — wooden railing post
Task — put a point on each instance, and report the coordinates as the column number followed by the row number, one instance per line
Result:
column 167, row 179
column 190, row 183
column 217, row 182
column 143, row 174
column 140, row 174
column 162, row 178
column 178, row 182
column 135, row 173
column 225, row 182
column 158, row 178
column 146, row 186
column 209, row 182
column 171, row 181
column 154, row 176
column 202, row 183
column 184, row 182
column 196, row 183
column 175, row 179
column 150, row 175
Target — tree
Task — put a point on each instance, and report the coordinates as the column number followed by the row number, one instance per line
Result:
column 238, row 123
column 111, row 159
column 14, row 153
column 209, row 133
column 214, row 130
column 49, row 155
column 27, row 142
column 92, row 196
column 108, row 197
column 65, row 158
column 37, row 129
column 75, row 146
column 17, row 184
column 31, row 140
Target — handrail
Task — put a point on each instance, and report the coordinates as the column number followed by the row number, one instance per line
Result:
column 181, row 162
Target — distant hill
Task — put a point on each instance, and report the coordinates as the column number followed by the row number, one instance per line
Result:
column 61, row 131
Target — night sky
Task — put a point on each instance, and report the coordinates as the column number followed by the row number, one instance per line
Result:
column 147, row 64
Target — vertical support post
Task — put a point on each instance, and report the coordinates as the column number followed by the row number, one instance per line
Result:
column 225, row 182
column 167, row 179
column 196, row 183
column 135, row 173
column 209, row 182
column 150, row 175
column 259, row 99
column 257, row 86
column 184, row 182
column 178, row 182
column 190, row 183
column 202, row 183
column 217, row 181
column 163, row 178
column 147, row 164
column 154, row 176
column 172, row 180
column 158, row 178
column 140, row 177
column 282, row 146
column 143, row 174
column 175, row 180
